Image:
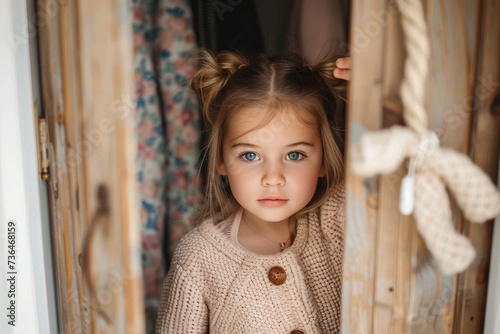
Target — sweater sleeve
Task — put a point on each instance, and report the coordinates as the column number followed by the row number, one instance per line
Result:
column 182, row 307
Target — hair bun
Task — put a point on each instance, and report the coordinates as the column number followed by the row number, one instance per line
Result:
column 325, row 69
column 213, row 74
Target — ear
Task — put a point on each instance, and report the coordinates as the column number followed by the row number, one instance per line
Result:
column 221, row 168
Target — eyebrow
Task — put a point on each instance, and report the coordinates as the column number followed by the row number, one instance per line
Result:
column 304, row 143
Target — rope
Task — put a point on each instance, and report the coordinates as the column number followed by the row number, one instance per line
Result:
column 416, row 64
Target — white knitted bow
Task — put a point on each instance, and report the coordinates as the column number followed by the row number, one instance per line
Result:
column 432, row 169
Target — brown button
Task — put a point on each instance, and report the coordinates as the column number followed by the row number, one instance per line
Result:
column 277, row 275
column 296, row 332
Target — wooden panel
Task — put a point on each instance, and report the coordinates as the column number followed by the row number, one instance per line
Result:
column 391, row 301
column 395, row 233
column 367, row 48
column 484, row 150
column 72, row 120
column 448, row 74
column 433, row 295
column 107, row 106
column 59, row 190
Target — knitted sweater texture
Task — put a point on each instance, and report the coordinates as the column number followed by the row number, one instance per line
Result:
column 215, row 286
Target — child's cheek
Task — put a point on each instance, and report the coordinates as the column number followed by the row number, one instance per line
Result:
column 239, row 167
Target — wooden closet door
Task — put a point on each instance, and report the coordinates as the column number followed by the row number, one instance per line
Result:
column 86, row 78
column 391, row 282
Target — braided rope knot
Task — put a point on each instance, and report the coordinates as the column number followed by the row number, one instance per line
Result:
column 432, row 170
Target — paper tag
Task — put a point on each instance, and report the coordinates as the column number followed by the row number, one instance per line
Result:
column 407, row 195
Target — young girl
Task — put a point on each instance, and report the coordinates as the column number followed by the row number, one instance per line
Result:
column 267, row 255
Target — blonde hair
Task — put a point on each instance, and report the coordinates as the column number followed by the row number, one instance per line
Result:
column 231, row 81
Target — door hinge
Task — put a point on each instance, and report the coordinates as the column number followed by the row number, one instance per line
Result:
column 42, row 140
column 43, row 149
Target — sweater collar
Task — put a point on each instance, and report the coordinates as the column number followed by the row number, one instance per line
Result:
column 219, row 240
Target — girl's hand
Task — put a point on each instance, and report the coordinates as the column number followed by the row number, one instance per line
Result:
column 343, row 70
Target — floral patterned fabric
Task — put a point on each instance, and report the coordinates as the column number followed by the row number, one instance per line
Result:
column 167, row 132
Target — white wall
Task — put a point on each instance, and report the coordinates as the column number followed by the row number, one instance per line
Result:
column 23, row 196
column 492, row 320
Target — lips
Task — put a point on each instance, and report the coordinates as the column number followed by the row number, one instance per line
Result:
column 272, row 202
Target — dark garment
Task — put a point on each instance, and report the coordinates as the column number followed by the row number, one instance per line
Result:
column 227, row 25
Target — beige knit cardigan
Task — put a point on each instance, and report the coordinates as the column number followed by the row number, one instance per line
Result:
column 216, row 286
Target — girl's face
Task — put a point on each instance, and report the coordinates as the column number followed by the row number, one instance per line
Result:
column 273, row 169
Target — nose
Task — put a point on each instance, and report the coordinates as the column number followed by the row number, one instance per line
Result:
column 273, row 177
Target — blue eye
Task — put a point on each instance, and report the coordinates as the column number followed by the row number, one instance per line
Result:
column 249, row 156
column 295, row 156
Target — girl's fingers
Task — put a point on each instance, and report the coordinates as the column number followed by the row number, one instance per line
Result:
column 344, row 74
column 344, row 63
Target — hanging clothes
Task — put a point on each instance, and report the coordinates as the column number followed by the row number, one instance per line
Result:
column 227, row 25
column 175, row 48
column 167, row 120
column 308, row 17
